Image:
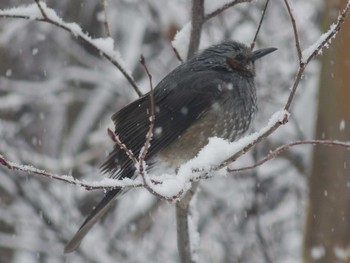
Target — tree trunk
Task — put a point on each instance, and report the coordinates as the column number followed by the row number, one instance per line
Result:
column 327, row 236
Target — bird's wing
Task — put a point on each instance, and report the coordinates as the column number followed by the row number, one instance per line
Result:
column 176, row 109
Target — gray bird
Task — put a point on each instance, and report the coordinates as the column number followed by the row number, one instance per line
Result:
column 212, row 94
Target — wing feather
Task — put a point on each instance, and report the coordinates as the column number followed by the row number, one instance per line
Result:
column 176, row 109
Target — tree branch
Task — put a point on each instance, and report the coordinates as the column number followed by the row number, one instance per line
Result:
column 49, row 15
column 259, row 26
column 223, row 8
column 295, row 30
column 285, row 147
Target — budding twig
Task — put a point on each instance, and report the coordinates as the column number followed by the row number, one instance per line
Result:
column 147, row 182
column 115, row 138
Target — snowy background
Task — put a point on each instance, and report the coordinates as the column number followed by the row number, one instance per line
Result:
column 56, row 99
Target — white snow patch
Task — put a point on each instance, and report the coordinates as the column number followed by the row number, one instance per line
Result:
column 31, row 11
column 317, row 252
column 342, row 125
column 342, row 253
column 35, row 51
column 8, row 73
column 182, row 40
column 218, row 149
column 306, row 53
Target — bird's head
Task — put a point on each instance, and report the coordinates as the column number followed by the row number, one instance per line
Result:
column 233, row 56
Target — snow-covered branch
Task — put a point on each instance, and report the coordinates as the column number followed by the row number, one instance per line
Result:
column 307, row 55
column 105, row 46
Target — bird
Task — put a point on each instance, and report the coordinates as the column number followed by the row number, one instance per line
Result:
column 211, row 94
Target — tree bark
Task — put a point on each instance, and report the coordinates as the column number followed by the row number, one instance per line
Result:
column 327, row 236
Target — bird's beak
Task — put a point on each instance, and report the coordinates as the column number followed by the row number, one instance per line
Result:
column 262, row 52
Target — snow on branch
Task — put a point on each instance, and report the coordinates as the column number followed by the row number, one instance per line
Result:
column 106, row 183
column 285, row 147
column 306, row 56
column 208, row 163
column 325, row 39
column 105, row 46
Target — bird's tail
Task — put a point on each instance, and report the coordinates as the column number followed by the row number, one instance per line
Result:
column 91, row 220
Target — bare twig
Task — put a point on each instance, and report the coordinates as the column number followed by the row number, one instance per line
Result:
column 115, row 138
column 105, row 21
column 112, row 184
column 295, row 30
column 285, row 147
column 259, row 26
column 72, row 29
column 147, row 182
column 152, row 117
column 253, row 143
column 149, row 136
column 223, row 8
column 177, row 55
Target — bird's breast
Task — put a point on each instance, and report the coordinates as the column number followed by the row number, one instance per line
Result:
column 228, row 118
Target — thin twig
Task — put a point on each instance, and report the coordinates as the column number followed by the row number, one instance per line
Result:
column 253, row 143
column 147, row 182
column 295, row 31
column 28, row 169
column 149, row 135
column 223, row 8
column 115, row 138
column 152, row 117
column 285, row 147
column 259, row 26
column 177, row 55
column 105, row 22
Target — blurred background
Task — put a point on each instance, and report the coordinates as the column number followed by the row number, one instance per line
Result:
column 56, row 99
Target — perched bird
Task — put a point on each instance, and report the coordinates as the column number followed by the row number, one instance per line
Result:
column 212, row 94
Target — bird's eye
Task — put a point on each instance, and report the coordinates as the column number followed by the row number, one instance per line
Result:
column 240, row 57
